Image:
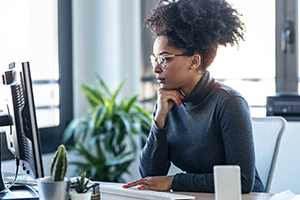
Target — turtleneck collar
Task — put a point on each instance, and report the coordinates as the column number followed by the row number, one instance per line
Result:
column 200, row 91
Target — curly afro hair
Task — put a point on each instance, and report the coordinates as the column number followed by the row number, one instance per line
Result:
column 196, row 26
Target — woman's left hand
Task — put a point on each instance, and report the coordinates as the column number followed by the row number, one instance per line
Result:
column 158, row 183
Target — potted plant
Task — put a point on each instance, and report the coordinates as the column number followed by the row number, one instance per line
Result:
column 81, row 188
column 106, row 136
column 57, row 186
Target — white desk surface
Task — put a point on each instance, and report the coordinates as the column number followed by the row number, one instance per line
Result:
column 199, row 196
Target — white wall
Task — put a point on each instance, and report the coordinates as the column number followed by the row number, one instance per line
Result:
column 106, row 40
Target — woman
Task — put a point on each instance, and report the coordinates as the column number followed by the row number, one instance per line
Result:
column 197, row 122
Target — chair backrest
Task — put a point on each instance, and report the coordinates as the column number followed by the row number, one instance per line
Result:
column 267, row 133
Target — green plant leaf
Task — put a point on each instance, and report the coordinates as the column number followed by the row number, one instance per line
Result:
column 108, row 141
column 93, row 96
column 80, row 133
column 85, row 186
column 100, row 153
column 87, row 155
column 130, row 103
column 122, row 104
column 121, row 149
column 118, row 89
column 118, row 159
column 72, row 128
column 125, row 120
column 99, row 115
column 108, row 125
column 120, row 137
column 110, row 107
column 143, row 112
column 103, row 85
column 90, row 127
column 144, row 119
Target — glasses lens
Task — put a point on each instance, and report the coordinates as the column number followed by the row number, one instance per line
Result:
column 153, row 60
column 159, row 60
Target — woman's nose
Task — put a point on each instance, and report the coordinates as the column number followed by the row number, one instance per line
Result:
column 156, row 69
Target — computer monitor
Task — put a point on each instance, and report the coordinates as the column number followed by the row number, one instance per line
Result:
column 22, row 137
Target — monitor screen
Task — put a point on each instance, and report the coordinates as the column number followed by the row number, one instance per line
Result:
column 22, row 133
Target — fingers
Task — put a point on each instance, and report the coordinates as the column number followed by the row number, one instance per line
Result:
column 166, row 95
column 158, row 183
column 140, row 187
column 142, row 184
column 132, row 184
column 165, row 102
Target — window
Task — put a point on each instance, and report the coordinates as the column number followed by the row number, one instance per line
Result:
column 287, row 77
column 250, row 68
column 31, row 35
column 40, row 32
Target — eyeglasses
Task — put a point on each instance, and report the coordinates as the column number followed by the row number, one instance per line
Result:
column 161, row 60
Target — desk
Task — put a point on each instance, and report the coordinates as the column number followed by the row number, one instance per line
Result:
column 199, row 196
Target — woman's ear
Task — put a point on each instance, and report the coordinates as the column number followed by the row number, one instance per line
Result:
column 195, row 61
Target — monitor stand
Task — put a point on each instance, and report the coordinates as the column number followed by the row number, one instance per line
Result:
column 23, row 192
column 18, row 191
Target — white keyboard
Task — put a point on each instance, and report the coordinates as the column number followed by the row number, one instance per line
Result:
column 116, row 189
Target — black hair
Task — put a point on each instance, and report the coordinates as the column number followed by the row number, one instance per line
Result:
column 196, row 26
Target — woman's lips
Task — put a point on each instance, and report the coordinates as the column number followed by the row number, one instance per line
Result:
column 160, row 80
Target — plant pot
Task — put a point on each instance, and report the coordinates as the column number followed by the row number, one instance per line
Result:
column 53, row 190
column 80, row 196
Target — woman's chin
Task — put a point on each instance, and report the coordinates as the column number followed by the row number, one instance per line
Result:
column 167, row 87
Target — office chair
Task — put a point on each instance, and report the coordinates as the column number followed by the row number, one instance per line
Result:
column 267, row 133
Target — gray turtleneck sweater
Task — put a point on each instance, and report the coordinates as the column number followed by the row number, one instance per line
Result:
column 211, row 127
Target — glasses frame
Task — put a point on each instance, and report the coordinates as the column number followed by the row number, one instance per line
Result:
column 161, row 61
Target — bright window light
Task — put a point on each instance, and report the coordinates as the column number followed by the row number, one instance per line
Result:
column 250, row 68
column 29, row 33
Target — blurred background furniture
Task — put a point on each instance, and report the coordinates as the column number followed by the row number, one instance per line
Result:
column 267, row 133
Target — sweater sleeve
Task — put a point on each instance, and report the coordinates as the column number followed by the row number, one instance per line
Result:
column 236, row 133
column 154, row 159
